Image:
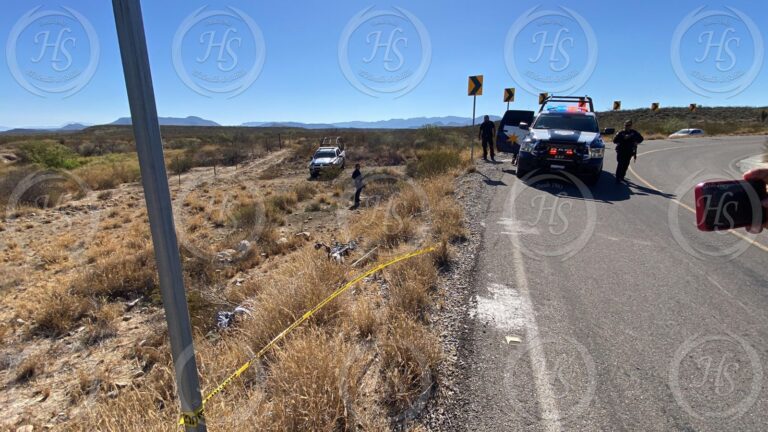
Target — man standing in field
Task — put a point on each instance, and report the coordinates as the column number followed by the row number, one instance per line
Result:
column 358, row 178
column 626, row 148
column 487, row 131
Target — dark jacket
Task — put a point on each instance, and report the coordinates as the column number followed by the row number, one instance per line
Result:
column 358, row 177
column 487, row 129
column 627, row 141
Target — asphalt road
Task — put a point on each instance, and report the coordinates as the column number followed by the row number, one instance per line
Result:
column 605, row 309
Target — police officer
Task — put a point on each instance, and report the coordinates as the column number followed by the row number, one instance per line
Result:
column 626, row 148
column 487, row 131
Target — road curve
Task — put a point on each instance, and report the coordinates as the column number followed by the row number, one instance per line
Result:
column 605, row 309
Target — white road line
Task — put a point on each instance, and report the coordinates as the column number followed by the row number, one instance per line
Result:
column 741, row 236
column 550, row 413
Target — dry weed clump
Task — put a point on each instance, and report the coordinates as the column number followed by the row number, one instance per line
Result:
column 410, row 284
column 124, row 275
column 284, row 202
column 410, row 354
column 304, row 191
column 293, row 289
column 57, row 312
column 32, row 366
column 314, row 384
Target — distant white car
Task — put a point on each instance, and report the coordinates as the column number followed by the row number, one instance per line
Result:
column 326, row 158
column 686, row 133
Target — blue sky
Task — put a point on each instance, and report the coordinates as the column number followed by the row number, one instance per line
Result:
column 410, row 60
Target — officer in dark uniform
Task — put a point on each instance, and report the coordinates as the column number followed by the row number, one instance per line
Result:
column 487, row 131
column 626, row 148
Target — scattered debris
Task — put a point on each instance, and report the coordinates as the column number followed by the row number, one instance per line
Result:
column 304, row 234
column 130, row 305
column 244, row 246
column 338, row 251
column 513, row 340
column 226, row 256
column 225, row 319
column 354, row 264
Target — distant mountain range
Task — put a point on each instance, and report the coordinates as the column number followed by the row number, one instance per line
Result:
column 72, row 127
column 407, row 123
column 171, row 121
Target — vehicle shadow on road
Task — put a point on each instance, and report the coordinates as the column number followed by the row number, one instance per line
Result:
column 606, row 190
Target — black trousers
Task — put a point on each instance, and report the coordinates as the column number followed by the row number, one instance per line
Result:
column 488, row 142
column 357, row 197
column 623, row 160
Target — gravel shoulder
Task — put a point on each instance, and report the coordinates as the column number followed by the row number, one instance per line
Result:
column 474, row 192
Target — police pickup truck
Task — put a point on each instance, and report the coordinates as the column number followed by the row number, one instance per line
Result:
column 564, row 137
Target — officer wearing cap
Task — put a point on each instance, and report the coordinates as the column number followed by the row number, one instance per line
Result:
column 626, row 148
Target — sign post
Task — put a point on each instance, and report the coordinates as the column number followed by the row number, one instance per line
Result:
column 474, row 89
column 146, row 130
column 509, row 96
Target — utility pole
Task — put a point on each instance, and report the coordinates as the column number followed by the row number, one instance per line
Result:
column 146, row 130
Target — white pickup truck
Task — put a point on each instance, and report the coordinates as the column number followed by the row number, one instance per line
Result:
column 326, row 158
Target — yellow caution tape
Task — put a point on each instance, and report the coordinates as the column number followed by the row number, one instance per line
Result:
column 193, row 418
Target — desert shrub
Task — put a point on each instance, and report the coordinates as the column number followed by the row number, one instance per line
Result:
column 28, row 186
column 181, row 164
column 232, row 155
column 315, row 382
column 49, row 154
column 284, row 202
column 294, row 289
column 109, row 172
column 121, row 275
column 57, row 312
column 433, row 162
column 410, row 355
column 410, row 284
column 304, row 191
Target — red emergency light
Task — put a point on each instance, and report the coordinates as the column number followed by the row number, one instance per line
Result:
column 553, row 151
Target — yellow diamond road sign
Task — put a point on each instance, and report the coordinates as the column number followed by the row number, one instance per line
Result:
column 655, row 106
column 692, row 107
column 616, row 105
column 509, row 95
column 475, row 87
column 542, row 97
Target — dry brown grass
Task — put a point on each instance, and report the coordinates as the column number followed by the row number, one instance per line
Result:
column 292, row 290
column 30, row 367
column 410, row 354
column 410, row 284
column 366, row 361
column 57, row 312
column 314, row 384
